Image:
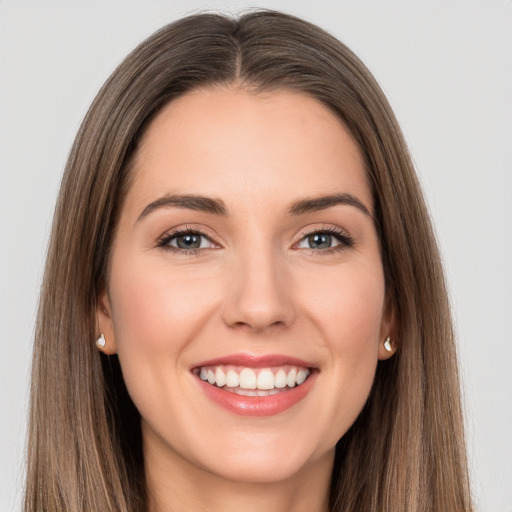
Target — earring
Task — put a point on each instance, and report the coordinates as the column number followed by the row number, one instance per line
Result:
column 100, row 342
column 388, row 344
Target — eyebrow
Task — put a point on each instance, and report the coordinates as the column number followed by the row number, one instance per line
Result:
column 323, row 202
column 218, row 207
column 191, row 202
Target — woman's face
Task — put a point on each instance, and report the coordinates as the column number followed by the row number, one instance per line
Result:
column 246, row 260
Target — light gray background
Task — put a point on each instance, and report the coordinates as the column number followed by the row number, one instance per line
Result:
column 446, row 67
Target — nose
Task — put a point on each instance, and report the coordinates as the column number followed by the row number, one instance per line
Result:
column 260, row 293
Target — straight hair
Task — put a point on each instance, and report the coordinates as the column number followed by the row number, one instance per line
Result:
column 406, row 450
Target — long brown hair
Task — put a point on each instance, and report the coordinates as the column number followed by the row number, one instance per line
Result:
column 406, row 450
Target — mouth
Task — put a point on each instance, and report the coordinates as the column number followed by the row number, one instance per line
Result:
column 255, row 385
column 246, row 381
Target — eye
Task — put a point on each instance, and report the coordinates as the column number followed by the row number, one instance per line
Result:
column 318, row 241
column 186, row 241
column 325, row 240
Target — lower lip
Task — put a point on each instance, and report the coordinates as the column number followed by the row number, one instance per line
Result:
column 258, row 405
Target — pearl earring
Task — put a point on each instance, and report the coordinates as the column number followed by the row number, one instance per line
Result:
column 387, row 344
column 100, row 342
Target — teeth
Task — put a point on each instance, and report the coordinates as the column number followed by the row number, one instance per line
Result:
column 266, row 379
column 246, row 392
column 291, row 377
column 232, row 379
column 280, row 380
column 220, row 377
column 248, row 379
column 301, row 376
column 254, row 382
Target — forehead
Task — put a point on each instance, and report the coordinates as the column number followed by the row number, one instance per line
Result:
column 238, row 145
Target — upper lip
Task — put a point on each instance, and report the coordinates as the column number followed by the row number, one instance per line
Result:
column 255, row 361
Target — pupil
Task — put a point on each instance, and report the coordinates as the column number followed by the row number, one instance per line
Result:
column 319, row 241
column 190, row 241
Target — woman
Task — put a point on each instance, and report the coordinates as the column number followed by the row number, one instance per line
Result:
column 241, row 231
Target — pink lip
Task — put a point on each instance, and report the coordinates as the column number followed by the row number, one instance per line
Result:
column 257, row 405
column 255, row 361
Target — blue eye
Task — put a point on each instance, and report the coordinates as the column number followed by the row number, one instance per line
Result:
column 325, row 240
column 186, row 241
column 320, row 241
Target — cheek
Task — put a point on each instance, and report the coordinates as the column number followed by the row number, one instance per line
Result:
column 155, row 309
column 348, row 306
column 156, row 313
column 349, row 314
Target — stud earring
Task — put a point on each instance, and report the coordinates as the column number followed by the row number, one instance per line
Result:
column 100, row 342
column 388, row 344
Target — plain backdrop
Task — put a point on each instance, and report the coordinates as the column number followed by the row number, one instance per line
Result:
column 446, row 67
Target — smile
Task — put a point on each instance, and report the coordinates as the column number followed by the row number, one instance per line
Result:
column 253, row 381
column 255, row 385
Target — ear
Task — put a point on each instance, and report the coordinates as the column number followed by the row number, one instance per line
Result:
column 388, row 341
column 106, row 324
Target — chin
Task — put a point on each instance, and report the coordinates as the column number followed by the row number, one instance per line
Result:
column 265, row 469
column 264, row 459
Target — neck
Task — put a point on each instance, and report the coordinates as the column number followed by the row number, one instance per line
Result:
column 176, row 487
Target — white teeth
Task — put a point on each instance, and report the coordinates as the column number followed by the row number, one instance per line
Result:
column 220, row 378
column 291, row 377
column 246, row 392
column 232, row 379
column 247, row 379
column 265, row 379
column 280, row 380
column 254, row 382
column 301, row 376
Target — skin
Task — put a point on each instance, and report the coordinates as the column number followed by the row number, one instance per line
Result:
column 256, row 286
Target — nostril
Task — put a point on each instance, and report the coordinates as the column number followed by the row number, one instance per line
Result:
column 258, row 326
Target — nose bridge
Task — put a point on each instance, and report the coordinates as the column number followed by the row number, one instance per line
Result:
column 259, row 289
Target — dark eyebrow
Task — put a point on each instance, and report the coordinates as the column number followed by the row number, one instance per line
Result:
column 321, row 203
column 192, row 202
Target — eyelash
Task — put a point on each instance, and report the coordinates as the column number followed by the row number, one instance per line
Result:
column 164, row 241
column 344, row 239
